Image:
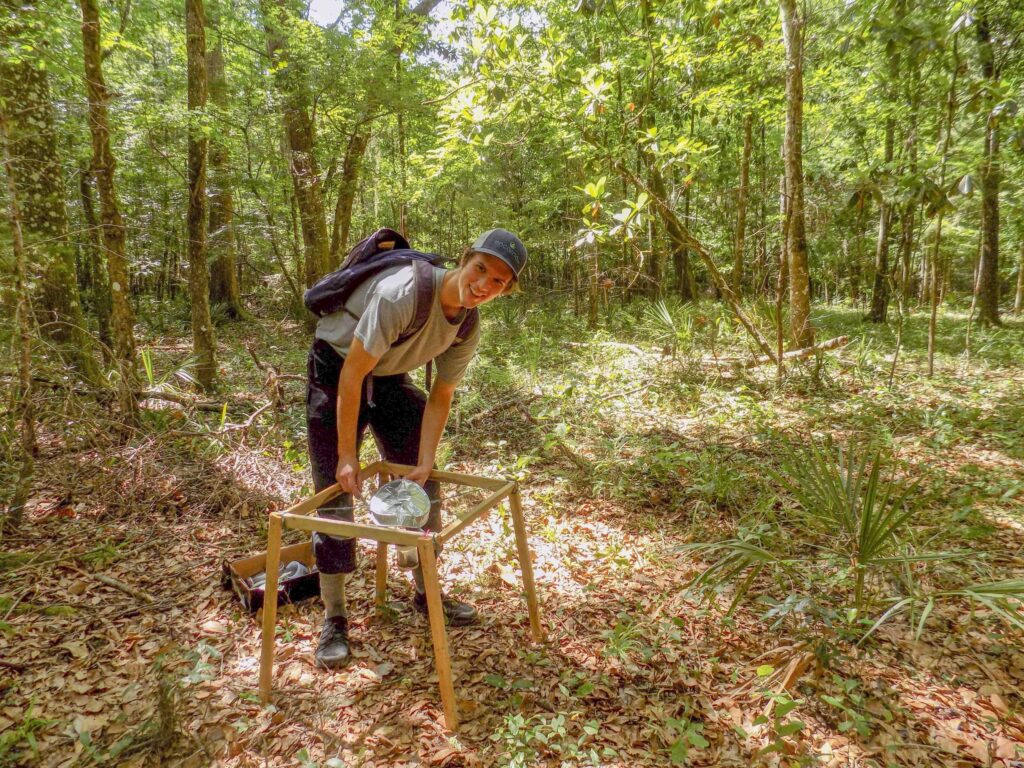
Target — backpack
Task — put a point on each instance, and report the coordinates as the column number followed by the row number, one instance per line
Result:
column 382, row 250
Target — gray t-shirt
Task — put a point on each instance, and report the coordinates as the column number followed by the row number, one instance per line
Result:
column 385, row 305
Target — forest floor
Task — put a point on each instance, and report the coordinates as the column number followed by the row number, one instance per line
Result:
column 626, row 454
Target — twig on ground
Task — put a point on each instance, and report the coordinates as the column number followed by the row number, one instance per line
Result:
column 499, row 407
column 110, row 581
column 626, row 393
column 251, row 420
column 14, row 605
column 613, row 344
column 796, row 354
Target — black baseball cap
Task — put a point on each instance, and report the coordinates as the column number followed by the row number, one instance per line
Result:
column 504, row 245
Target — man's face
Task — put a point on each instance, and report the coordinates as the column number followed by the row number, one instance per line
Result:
column 483, row 277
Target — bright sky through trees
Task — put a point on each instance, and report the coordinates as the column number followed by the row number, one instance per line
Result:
column 324, row 12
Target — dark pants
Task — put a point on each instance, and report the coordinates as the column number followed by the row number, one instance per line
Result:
column 395, row 416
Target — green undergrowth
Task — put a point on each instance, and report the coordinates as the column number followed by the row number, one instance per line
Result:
column 634, row 413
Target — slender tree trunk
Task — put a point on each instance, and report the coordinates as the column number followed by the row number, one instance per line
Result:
column 741, row 206
column 27, row 444
column 857, row 266
column 907, row 244
column 760, row 285
column 800, row 330
column 1018, row 302
column 122, row 318
column 988, row 270
column 224, row 287
column 880, row 289
column 204, row 345
column 37, row 176
column 593, row 287
column 342, row 226
column 934, row 262
column 100, row 280
column 290, row 79
column 680, row 252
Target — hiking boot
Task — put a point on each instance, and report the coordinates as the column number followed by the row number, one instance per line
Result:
column 458, row 613
column 332, row 650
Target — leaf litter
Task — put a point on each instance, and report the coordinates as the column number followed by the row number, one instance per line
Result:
column 633, row 673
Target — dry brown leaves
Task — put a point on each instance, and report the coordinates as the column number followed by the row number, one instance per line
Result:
column 116, row 680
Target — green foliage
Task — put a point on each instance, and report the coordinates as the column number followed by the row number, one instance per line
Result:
column 102, row 555
column 844, row 499
column 525, row 740
column 850, row 541
column 18, row 743
column 687, row 734
column 850, row 703
column 779, row 725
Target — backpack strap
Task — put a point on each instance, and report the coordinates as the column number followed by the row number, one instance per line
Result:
column 469, row 324
column 423, row 286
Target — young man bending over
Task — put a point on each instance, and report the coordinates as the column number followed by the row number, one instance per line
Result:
column 358, row 373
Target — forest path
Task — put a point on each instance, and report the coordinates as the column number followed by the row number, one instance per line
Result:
column 628, row 456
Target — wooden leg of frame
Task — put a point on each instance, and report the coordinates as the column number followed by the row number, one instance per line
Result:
column 515, row 503
column 438, row 634
column 270, row 607
column 382, row 574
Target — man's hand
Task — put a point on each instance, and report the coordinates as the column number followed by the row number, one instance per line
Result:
column 419, row 474
column 349, row 477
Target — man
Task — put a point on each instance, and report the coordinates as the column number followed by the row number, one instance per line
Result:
column 358, row 373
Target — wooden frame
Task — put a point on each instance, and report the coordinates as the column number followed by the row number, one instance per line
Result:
column 300, row 517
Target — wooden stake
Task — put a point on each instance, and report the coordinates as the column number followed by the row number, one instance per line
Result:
column 515, row 504
column 382, row 575
column 270, row 606
column 438, row 634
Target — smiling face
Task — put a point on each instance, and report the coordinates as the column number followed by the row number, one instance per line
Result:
column 483, row 277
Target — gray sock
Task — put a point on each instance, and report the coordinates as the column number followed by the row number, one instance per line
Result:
column 332, row 590
column 417, row 576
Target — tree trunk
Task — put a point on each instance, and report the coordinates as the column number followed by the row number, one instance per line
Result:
column 593, row 291
column 741, row 206
column 680, row 252
column 27, row 444
column 1018, row 302
column 204, row 346
column 762, row 268
column 342, row 226
column 290, row 80
column 37, row 177
column 800, row 330
column 934, row 262
column 122, row 318
column 99, row 281
column 224, row 288
column 880, row 289
column 907, row 244
column 988, row 270
column 857, row 265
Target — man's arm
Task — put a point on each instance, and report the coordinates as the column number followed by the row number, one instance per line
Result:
column 358, row 363
column 435, row 416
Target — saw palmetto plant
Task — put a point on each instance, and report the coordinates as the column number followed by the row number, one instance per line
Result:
column 849, row 543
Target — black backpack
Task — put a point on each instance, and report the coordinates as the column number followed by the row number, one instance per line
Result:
column 382, row 250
